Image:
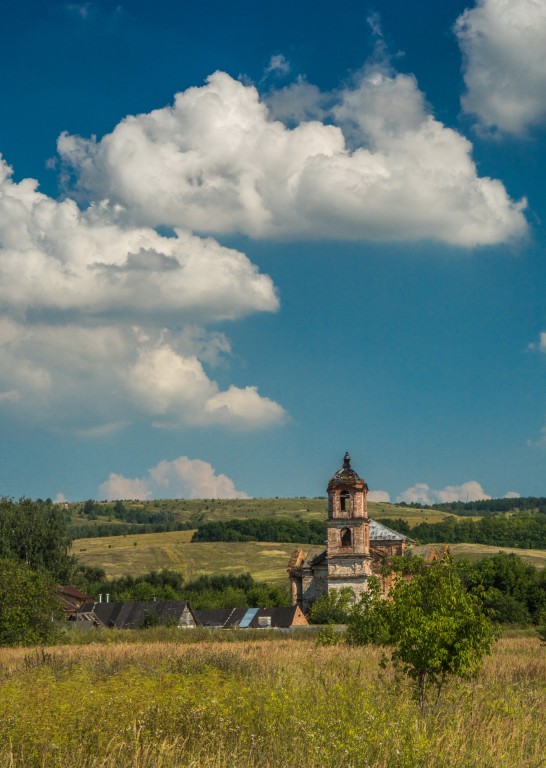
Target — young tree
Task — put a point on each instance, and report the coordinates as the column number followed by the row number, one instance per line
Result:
column 438, row 629
column 368, row 620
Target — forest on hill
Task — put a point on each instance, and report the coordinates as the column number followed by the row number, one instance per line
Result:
column 488, row 506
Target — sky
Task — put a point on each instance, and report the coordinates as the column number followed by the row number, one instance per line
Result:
column 240, row 239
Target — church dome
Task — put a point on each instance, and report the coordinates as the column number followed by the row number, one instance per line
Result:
column 346, row 476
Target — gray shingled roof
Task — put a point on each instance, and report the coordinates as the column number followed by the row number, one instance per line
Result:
column 380, row 532
column 131, row 615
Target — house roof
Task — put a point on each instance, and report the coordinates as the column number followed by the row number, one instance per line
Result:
column 131, row 615
column 233, row 618
column 67, row 589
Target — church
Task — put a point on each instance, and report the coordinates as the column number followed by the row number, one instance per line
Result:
column 356, row 549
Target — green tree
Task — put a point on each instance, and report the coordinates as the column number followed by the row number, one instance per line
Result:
column 27, row 605
column 368, row 619
column 35, row 533
column 333, row 607
column 437, row 628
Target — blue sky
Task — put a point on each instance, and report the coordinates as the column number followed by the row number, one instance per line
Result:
column 260, row 236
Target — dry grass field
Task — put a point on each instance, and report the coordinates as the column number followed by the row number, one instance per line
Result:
column 136, row 555
column 536, row 557
column 265, row 561
column 261, row 703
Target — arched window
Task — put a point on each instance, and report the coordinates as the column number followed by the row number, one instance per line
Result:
column 346, row 538
column 345, row 501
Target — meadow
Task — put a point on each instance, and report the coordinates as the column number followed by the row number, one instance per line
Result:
column 142, row 553
column 265, row 561
column 241, row 700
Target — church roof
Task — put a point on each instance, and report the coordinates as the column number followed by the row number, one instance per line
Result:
column 346, row 475
column 380, row 532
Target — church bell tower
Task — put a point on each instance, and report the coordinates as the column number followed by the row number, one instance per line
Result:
column 348, row 550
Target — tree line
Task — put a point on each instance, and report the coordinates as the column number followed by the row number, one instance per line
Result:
column 525, row 530
column 261, row 529
column 204, row 593
column 486, row 506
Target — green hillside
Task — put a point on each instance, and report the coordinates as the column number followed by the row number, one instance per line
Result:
column 168, row 514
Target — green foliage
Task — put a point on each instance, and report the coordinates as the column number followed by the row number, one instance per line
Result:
column 492, row 506
column 27, row 605
column 368, row 620
column 206, row 592
column 525, row 530
column 333, row 607
column 34, row 532
column 328, row 635
column 260, row 529
column 397, row 524
column 438, row 629
column 511, row 591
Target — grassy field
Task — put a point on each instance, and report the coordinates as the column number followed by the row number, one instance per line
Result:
column 136, row 555
column 262, row 703
column 188, row 510
column 536, row 557
column 266, row 561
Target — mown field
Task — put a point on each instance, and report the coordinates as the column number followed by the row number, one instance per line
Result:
column 265, row 561
column 261, row 703
column 137, row 555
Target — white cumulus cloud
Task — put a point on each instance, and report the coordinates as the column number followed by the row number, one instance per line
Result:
column 421, row 493
column 218, row 162
column 100, row 322
column 180, row 478
column 504, row 48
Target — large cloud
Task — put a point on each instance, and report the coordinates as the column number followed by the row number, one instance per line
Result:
column 504, row 47
column 181, row 478
column 218, row 162
column 98, row 379
column 56, row 259
column 91, row 314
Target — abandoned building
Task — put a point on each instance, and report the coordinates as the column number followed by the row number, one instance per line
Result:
column 356, row 548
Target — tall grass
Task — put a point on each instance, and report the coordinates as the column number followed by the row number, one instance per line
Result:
column 263, row 704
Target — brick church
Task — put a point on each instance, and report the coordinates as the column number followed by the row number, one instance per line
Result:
column 356, row 549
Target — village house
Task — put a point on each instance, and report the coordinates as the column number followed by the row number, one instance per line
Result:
column 357, row 547
column 252, row 618
column 137, row 614
column 71, row 599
